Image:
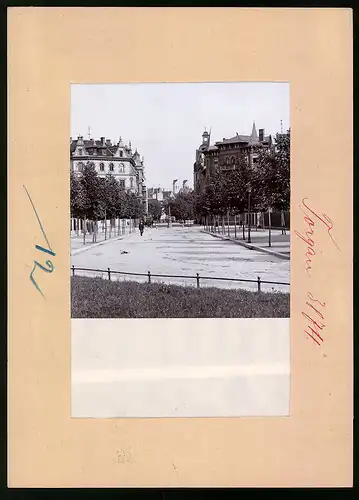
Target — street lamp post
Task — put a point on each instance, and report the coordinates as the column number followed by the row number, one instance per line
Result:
column 249, row 215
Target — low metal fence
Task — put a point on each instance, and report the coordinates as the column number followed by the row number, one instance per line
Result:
column 197, row 277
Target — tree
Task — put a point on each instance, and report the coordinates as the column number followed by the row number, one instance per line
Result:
column 154, row 209
column 181, row 206
column 273, row 175
column 133, row 206
column 93, row 192
column 112, row 197
column 77, row 197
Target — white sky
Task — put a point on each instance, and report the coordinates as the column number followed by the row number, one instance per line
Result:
column 165, row 121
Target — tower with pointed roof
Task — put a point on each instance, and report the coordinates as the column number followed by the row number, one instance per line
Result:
column 254, row 135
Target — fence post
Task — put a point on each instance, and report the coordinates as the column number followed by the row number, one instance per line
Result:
column 259, row 284
column 197, row 280
column 149, row 276
column 73, row 270
column 109, row 273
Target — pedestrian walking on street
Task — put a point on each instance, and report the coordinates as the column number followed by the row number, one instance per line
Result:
column 141, row 227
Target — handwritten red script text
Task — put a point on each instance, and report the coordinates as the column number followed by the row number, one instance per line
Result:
column 314, row 307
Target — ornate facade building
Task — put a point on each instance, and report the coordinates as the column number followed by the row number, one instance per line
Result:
column 116, row 159
column 225, row 154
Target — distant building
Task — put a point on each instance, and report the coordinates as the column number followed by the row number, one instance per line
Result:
column 159, row 194
column 116, row 159
column 225, row 154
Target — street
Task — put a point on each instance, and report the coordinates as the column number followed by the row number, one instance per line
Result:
column 185, row 251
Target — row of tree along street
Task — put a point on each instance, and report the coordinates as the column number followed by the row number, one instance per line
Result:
column 94, row 199
column 263, row 187
column 260, row 188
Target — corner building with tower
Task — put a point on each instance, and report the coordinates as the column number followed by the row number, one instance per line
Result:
column 225, row 155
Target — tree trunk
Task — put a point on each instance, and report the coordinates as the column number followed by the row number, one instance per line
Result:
column 269, row 228
column 84, row 230
column 243, row 226
column 222, row 224
column 235, row 226
column 228, row 223
column 105, row 226
column 282, row 216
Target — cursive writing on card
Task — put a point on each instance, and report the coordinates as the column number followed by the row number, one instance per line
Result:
column 315, row 325
column 314, row 307
column 47, row 266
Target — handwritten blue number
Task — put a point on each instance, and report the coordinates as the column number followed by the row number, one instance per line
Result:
column 42, row 249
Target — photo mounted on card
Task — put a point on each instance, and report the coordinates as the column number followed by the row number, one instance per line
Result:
column 180, row 247
column 169, row 219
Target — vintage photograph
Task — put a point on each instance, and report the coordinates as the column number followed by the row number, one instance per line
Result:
column 180, row 200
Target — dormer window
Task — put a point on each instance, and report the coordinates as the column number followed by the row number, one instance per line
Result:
column 80, row 151
column 122, row 167
column 121, row 153
column 111, row 167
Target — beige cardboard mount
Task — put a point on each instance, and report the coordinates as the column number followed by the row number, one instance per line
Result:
column 50, row 48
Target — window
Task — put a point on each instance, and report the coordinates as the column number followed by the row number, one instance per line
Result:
column 122, row 167
column 80, row 151
column 122, row 183
column 80, row 167
column 227, row 160
column 131, row 182
column 255, row 160
column 233, row 160
column 121, row 153
column 111, row 167
column 102, row 167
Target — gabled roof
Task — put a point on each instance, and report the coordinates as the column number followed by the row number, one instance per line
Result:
column 235, row 139
column 245, row 139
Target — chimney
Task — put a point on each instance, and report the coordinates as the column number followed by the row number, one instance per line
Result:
column 103, row 141
column 108, row 142
column 223, row 139
column 261, row 134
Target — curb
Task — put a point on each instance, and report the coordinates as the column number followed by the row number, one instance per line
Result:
column 94, row 245
column 248, row 245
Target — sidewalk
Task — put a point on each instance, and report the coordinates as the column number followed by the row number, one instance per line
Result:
column 259, row 240
column 77, row 242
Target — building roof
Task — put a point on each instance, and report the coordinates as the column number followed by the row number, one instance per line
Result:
column 245, row 139
column 110, row 149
